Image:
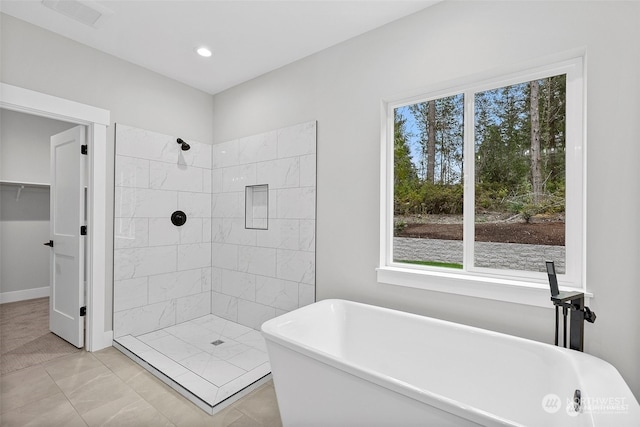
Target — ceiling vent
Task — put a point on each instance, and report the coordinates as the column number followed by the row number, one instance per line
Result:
column 87, row 12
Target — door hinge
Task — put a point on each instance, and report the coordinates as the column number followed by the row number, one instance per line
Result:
column 83, row 230
column 83, row 149
column 83, row 311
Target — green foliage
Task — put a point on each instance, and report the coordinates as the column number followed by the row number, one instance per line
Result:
column 503, row 150
column 433, row 263
column 399, row 226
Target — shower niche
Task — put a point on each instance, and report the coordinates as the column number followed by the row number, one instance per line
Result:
column 256, row 202
column 189, row 300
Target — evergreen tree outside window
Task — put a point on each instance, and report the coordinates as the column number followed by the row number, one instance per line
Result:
column 486, row 180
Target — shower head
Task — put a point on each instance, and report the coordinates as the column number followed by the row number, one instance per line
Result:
column 183, row 144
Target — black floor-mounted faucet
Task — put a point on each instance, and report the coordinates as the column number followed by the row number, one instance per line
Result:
column 573, row 301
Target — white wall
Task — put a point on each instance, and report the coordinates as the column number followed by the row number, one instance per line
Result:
column 24, row 221
column 342, row 88
column 24, row 146
column 39, row 60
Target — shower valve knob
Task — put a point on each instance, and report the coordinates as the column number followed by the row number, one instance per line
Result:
column 178, row 218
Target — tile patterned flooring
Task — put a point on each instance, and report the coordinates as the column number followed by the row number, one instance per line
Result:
column 186, row 353
column 106, row 388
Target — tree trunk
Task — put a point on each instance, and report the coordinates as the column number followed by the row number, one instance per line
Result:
column 431, row 142
column 536, row 172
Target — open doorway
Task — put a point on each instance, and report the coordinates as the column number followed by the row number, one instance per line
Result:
column 95, row 121
column 26, row 270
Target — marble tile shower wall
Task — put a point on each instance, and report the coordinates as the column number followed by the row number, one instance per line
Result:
column 259, row 274
column 162, row 273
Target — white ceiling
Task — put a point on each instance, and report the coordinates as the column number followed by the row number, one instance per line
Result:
column 248, row 38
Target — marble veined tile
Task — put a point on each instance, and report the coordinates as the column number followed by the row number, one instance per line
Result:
column 227, row 205
column 193, row 306
column 221, row 326
column 133, row 344
column 130, row 293
column 224, row 306
column 253, row 339
column 282, row 233
column 144, row 203
column 307, row 294
column 235, row 178
column 257, row 148
column 198, row 155
column 195, row 255
column 144, row 319
column 162, row 232
column 254, row 315
column 191, row 231
column 131, row 232
column 138, row 262
column 173, row 347
column 280, row 173
column 296, row 266
column 155, row 335
column 242, row 381
column 206, row 229
column 144, row 144
column 206, row 279
column 238, row 284
column 226, row 350
column 207, row 181
column 233, row 231
column 296, row 203
column 164, row 364
column 278, row 293
column 195, row 205
column 193, row 334
column 216, row 181
column 198, row 386
column 214, row 370
column 225, row 154
column 308, row 170
column 307, row 236
column 163, row 287
column 167, row 176
column 297, row 140
column 257, row 260
column 224, row 256
column 131, row 172
column 250, row 359
column 216, row 279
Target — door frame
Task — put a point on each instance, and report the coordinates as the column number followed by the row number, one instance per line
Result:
column 96, row 120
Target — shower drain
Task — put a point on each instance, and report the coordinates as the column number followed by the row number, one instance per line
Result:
column 217, row 342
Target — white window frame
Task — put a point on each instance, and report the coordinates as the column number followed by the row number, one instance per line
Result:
column 530, row 288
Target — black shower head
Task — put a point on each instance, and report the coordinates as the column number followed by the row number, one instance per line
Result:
column 183, row 144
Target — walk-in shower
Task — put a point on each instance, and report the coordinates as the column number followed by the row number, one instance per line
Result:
column 210, row 242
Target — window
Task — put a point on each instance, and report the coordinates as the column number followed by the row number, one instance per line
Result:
column 483, row 183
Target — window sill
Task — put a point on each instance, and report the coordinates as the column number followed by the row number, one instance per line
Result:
column 513, row 291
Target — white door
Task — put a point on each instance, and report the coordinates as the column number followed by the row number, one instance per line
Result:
column 67, row 252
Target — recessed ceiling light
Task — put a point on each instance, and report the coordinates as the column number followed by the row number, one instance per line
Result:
column 203, row 51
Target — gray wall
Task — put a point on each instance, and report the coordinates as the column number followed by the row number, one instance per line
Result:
column 24, row 223
column 39, row 60
column 341, row 87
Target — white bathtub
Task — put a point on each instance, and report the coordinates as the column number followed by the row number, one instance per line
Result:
column 339, row 363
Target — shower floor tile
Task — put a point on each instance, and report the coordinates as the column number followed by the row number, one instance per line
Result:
column 186, row 354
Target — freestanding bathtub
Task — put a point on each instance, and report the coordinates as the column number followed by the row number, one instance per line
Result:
column 340, row 363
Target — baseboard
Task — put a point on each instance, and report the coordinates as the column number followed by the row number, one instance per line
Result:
column 24, row 295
